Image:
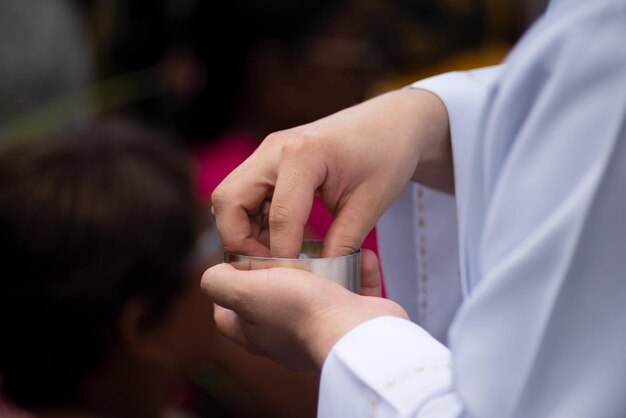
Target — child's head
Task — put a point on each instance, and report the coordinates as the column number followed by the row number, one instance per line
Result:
column 98, row 285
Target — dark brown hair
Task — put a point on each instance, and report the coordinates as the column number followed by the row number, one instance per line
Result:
column 89, row 220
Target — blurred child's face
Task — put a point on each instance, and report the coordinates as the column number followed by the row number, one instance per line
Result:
column 149, row 365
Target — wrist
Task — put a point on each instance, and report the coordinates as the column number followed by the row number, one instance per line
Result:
column 434, row 167
column 324, row 331
column 323, row 341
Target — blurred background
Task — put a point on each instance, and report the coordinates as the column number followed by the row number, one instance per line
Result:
column 199, row 68
column 217, row 76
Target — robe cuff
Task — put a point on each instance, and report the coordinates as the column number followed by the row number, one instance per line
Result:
column 386, row 366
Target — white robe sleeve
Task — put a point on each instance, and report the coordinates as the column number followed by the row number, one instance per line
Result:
column 418, row 234
column 387, row 367
column 543, row 327
column 390, row 367
column 542, row 202
column 418, row 247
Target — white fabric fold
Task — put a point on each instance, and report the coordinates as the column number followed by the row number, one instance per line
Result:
column 540, row 166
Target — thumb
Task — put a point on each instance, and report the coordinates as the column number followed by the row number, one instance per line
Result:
column 347, row 232
column 371, row 284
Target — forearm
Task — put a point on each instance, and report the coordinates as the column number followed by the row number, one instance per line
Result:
column 452, row 103
column 425, row 122
column 434, row 168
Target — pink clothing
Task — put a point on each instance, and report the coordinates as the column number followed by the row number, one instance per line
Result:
column 217, row 159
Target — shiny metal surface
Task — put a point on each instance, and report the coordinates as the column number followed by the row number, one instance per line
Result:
column 344, row 270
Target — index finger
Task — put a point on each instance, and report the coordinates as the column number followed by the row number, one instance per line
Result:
column 232, row 203
column 298, row 178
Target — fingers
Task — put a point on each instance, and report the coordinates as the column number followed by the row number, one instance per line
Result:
column 371, row 284
column 228, row 287
column 348, row 230
column 233, row 202
column 236, row 234
column 293, row 196
column 229, row 324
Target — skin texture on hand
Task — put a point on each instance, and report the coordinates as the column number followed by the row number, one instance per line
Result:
column 292, row 316
column 358, row 160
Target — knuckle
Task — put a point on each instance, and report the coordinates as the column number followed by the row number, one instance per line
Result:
column 219, row 197
column 274, row 137
column 346, row 249
column 297, row 147
column 280, row 215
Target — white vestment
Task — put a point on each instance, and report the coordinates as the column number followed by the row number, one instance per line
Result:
column 539, row 147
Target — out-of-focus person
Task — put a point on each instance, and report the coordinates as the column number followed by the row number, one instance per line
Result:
column 100, row 250
column 236, row 71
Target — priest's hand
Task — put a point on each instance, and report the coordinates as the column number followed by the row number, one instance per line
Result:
column 358, row 160
column 292, row 316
